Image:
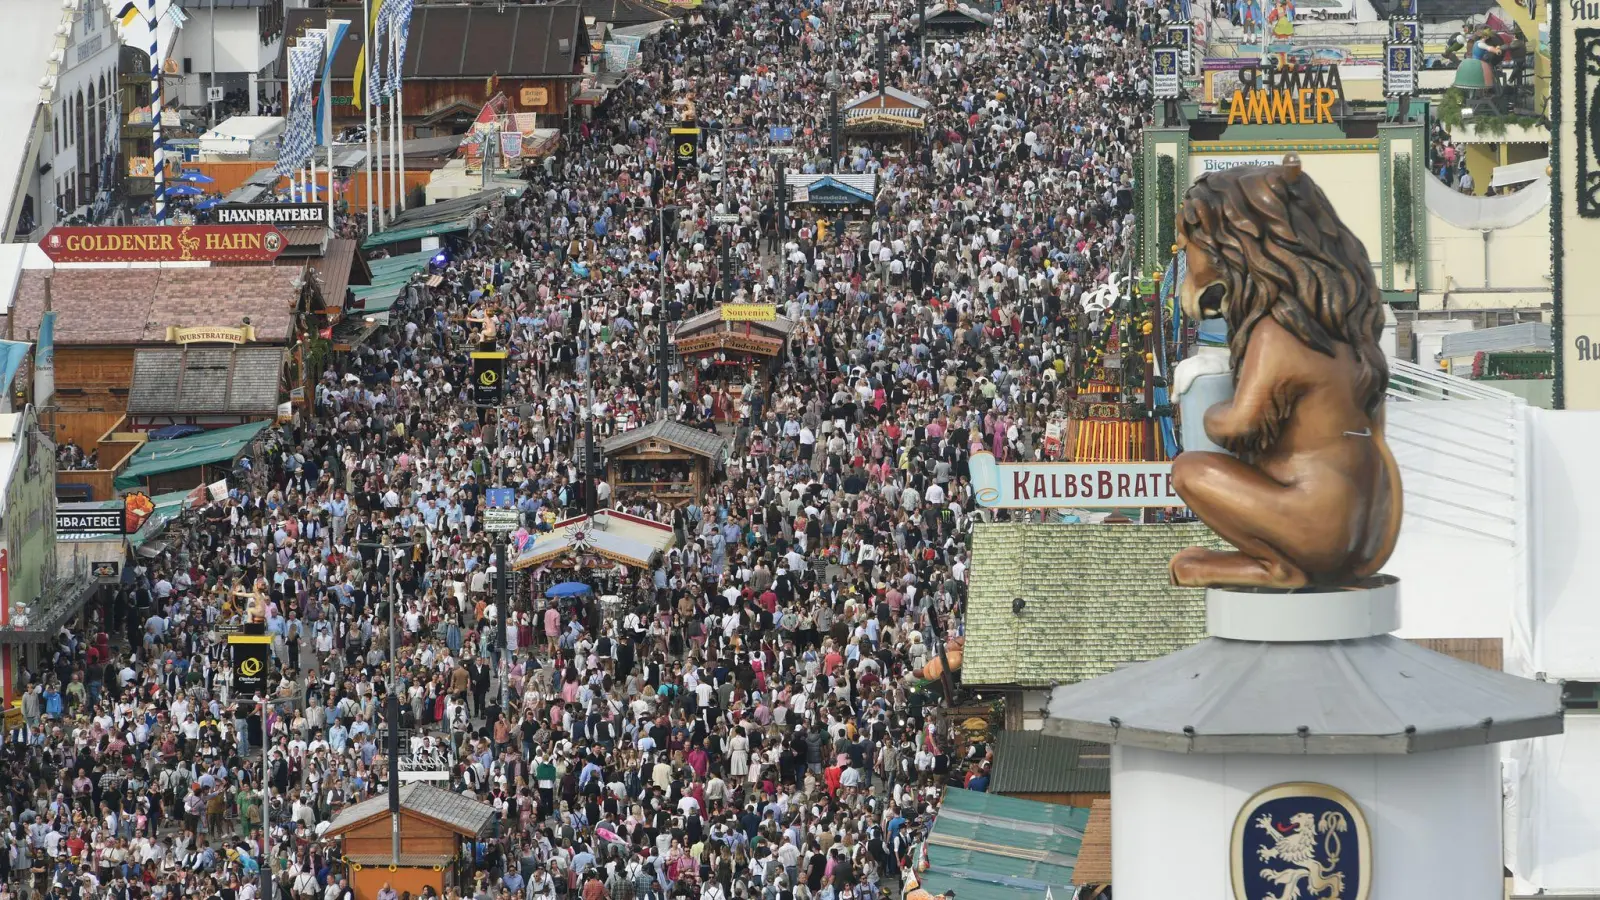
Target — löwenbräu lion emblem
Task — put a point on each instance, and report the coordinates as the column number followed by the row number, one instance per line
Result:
column 1301, row 841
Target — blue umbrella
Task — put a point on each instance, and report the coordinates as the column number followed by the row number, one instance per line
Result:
column 183, row 190
column 568, row 589
column 208, row 204
column 197, row 177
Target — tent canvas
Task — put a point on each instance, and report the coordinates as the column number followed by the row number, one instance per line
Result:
column 210, row 448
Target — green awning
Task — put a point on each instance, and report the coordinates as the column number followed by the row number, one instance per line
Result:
column 208, row 448
column 416, row 232
column 987, row 847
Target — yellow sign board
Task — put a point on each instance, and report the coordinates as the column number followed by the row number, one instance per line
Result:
column 211, row 335
column 535, row 96
column 749, row 312
column 1304, row 106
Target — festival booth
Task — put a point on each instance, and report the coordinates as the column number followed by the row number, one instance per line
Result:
column 886, row 114
column 664, row 460
column 727, row 348
column 602, row 545
column 951, row 17
column 435, row 825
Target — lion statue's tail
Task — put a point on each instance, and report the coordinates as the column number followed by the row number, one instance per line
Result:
column 1384, row 529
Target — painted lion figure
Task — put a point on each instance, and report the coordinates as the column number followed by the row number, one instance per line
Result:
column 1309, row 492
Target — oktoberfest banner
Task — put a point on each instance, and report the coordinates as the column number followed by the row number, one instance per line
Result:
column 1043, row 485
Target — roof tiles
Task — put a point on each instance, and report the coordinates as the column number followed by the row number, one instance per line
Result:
column 1097, row 596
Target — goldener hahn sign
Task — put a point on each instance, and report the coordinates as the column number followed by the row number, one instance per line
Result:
column 164, row 243
column 1071, row 485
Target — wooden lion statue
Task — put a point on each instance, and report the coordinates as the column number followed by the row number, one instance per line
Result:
column 1308, row 492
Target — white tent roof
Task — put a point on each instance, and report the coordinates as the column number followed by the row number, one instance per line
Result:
column 25, row 47
column 1520, row 172
column 237, row 134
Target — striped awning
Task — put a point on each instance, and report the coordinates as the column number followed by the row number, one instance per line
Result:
column 1111, row 441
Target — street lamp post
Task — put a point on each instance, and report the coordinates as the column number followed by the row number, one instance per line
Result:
column 664, row 350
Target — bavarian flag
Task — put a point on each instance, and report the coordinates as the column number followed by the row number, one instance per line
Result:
column 127, row 14
column 373, row 36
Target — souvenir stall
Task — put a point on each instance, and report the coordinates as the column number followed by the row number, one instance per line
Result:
column 730, row 352
column 888, row 115
column 831, row 202
column 664, row 460
column 608, row 549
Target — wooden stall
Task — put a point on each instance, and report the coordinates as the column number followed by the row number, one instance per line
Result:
column 433, row 825
column 887, row 113
column 731, row 351
column 664, row 460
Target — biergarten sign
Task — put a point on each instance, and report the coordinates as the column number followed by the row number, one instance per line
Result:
column 1071, row 485
column 302, row 214
column 164, row 243
column 1286, row 95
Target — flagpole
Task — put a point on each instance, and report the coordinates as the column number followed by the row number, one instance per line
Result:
column 366, row 107
column 159, row 156
column 394, row 118
column 400, row 106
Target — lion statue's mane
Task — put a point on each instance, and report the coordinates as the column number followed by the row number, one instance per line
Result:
column 1283, row 252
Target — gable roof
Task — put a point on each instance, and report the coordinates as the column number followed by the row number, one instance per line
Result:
column 908, row 99
column 1098, row 596
column 704, row 443
column 135, row 306
column 945, row 13
column 200, row 379
column 1032, row 762
column 470, row 41
column 829, row 182
column 463, row 815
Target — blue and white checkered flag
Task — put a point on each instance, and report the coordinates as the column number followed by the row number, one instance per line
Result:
column 299, row 135
column 375, row 53
column 399, row 14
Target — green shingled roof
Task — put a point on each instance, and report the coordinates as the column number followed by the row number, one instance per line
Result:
column 987, row 847
column 1032, row 762
column 1098, row 596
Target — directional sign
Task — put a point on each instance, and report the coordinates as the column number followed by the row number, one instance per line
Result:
column 726, row 218
column 500, row 498
column 501, row 519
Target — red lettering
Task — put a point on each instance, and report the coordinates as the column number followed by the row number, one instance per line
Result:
column 1055, row 485
column 1168, row 480
column 1019, row 484
column 1105, row 485
column 1072, row 487
column 1038, row 486
column 1122, row 484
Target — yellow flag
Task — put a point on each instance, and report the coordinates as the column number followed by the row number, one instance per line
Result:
column 358, row 84
column 127, row 14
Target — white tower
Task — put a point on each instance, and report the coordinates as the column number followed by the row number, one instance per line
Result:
column 1303, row 751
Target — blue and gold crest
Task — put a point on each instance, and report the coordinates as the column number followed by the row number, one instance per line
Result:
column 1301, row 841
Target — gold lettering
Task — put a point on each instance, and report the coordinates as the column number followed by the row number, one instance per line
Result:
column 1260, row 107
column 1304, row 95
column 1283, row 108
column 166, row 242
column 1236, row 108
column 1325, row 99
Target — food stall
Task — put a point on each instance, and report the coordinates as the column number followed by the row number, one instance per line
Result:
column 664, row 460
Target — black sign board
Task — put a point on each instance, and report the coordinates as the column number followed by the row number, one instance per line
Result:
column 488, row 378
column 310, row 215
column 105, row 521
column 685, row 148
column 252, row 655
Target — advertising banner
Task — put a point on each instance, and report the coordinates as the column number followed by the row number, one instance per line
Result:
column 164, row 243
column 685, row 147
column 488, row 378
column 252, row 655
column 1071, row 485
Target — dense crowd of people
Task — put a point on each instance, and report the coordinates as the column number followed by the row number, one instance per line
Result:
column 748, row 718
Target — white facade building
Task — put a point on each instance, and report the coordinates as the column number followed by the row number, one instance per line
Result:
column 78, row 155
column 230, row 44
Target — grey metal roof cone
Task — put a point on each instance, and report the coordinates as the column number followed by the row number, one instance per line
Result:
column 1374, row 694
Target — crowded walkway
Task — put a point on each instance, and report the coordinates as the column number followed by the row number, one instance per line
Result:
column 748, row 718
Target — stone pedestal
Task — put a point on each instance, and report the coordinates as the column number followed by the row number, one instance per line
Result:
column 1300, row 715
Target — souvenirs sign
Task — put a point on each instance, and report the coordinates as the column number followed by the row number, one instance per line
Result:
column 749, row 312
column 1301, row 840
column 162, row 243
column 306, row 214
column 1071, row 485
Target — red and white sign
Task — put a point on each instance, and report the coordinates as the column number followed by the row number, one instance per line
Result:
column 164, row 243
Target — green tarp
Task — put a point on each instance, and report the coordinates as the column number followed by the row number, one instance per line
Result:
column 396, row 235
column 389, row 278
column 988, row 847
column 209, row 448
